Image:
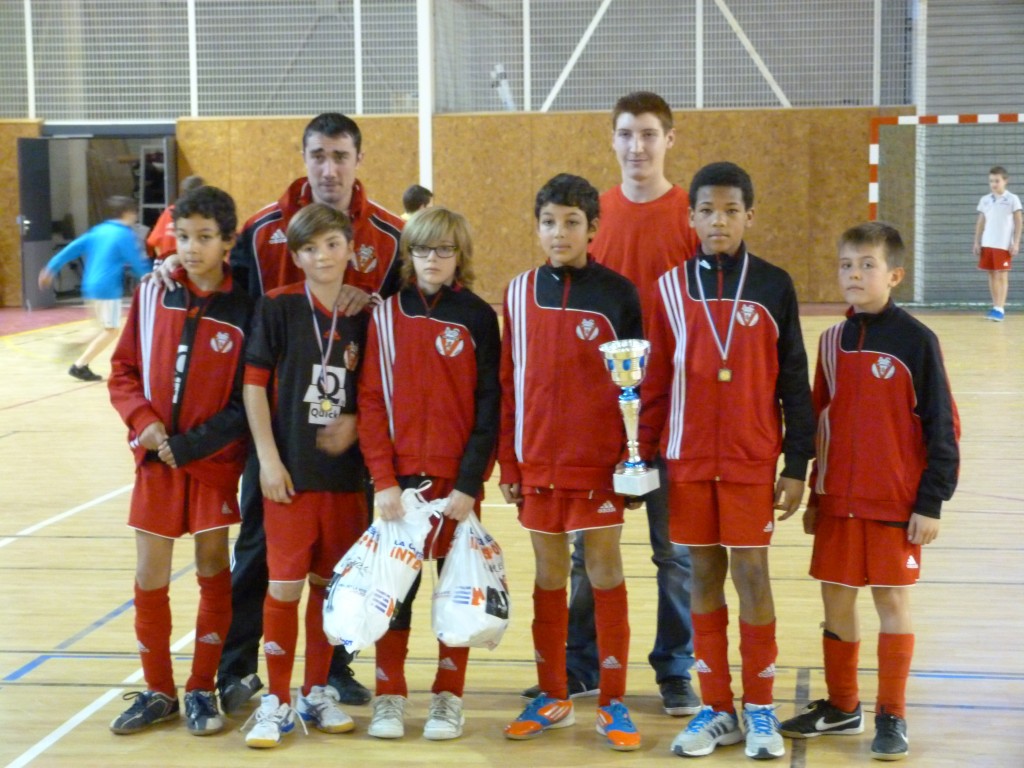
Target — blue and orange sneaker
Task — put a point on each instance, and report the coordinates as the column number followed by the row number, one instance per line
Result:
column 614, row 724
column 540, row 715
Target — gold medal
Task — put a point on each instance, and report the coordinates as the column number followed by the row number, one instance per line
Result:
column 724, row 374
column 325, row 405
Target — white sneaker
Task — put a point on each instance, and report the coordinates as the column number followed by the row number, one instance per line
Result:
column 763, row 738
column 706, row 731
column 445, row 719
column 321, row 709
column 272, row 720
column 388, row 717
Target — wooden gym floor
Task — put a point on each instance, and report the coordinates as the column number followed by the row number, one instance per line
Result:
column 67, row 562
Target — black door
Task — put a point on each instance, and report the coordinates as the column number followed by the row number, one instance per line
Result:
column 34, row 220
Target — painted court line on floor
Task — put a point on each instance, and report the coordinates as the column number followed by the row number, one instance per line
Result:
column 80, row 717
column 63, row 515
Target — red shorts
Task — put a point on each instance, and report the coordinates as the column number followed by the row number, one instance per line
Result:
column 311, row 534
column 994, row 260
column 730, row 514
column 439, row 540
column 863, row 553
column 170, row 503
column 547, row 511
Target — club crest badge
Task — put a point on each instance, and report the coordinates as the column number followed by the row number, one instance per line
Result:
column 351, row 356
column 883, row 367
column 747, row 315
column 587, row 329
column 222, row 342
column 365, row 259
column 450, row 342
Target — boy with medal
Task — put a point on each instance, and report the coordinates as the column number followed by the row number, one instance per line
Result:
column 727, row 369
column 300, row 379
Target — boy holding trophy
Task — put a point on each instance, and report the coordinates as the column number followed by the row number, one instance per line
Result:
column 558, row 450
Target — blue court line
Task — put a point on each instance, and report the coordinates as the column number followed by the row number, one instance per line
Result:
column 113, row 614
column 38, row 661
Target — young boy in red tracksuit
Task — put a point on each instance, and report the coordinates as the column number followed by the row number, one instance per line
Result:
column 887, row 457
column 429, row 400
column 726, row 353
column 300, row 397
column 561, row 437
column 176, row 381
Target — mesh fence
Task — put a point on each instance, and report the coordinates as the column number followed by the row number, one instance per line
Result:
column 129, row 59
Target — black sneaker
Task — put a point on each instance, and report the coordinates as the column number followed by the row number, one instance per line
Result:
column 149, row 708
column 350, row 691
column 821, row 718
column 678, row 698
column 890, row 742
column 201, row 715
column 576, row 687
column 235, row 691
column 83, row 373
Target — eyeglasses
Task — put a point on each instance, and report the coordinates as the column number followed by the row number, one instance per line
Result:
column 442, row 251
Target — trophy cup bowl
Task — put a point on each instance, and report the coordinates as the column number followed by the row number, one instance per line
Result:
column 627, row 363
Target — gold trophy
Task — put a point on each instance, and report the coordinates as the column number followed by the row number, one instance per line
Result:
column 627, row 363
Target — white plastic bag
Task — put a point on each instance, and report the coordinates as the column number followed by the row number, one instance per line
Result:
column 471, row 601
column 375, row 575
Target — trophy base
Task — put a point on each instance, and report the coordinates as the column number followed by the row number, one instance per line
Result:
column 636, row 485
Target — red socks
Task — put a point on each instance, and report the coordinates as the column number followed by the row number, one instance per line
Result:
column 550, row 631
column 758, row 652
column 894, row 655
column 711, row 650
column 391, row 651
column 841, row 659
column 153, row 633
column 611, row 617
column 318, row 648
column 451, row 670
column 280, row 635
column 212, row 623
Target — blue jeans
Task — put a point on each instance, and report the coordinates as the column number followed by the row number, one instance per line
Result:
column 672, row 655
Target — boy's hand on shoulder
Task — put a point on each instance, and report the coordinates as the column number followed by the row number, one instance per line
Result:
column 352, row 300
column 389, row 503
column 153, row 436
column 338, row 436
column 922, row 529
column 162, row 271
column 459, row 506
column 810, row 520
column 512, row 493
column 789, row 492
column 275, row 482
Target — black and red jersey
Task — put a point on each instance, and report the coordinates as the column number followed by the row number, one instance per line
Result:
column 888, row 427
column 429, row 393
column 261, row 262
column 560, row 425
column 179, row 362
column 723, row 419
column 283, row 356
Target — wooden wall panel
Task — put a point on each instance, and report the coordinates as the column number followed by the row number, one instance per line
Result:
column 10, row 239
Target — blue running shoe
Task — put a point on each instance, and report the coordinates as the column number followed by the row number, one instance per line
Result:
column 705, row 732
column 763, row 738
column 614, row 724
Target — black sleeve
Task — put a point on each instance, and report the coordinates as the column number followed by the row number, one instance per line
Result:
column 793, row 388
column 941, row 426
column 480, row 448
column 392, row 282
column 632, row 315
column 263, row 349
column 243, row 263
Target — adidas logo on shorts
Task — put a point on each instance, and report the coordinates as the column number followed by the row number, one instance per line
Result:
column 611, row 663
column 278, row 237
column 770, row 527
column 225, row 509
column 606, row 507
column 768, row 671
column 912, row 563
column 447, row 663
column 273, row 649
column 211, row 638
column 537, row 658
column 142, row 648
column 701, row 666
